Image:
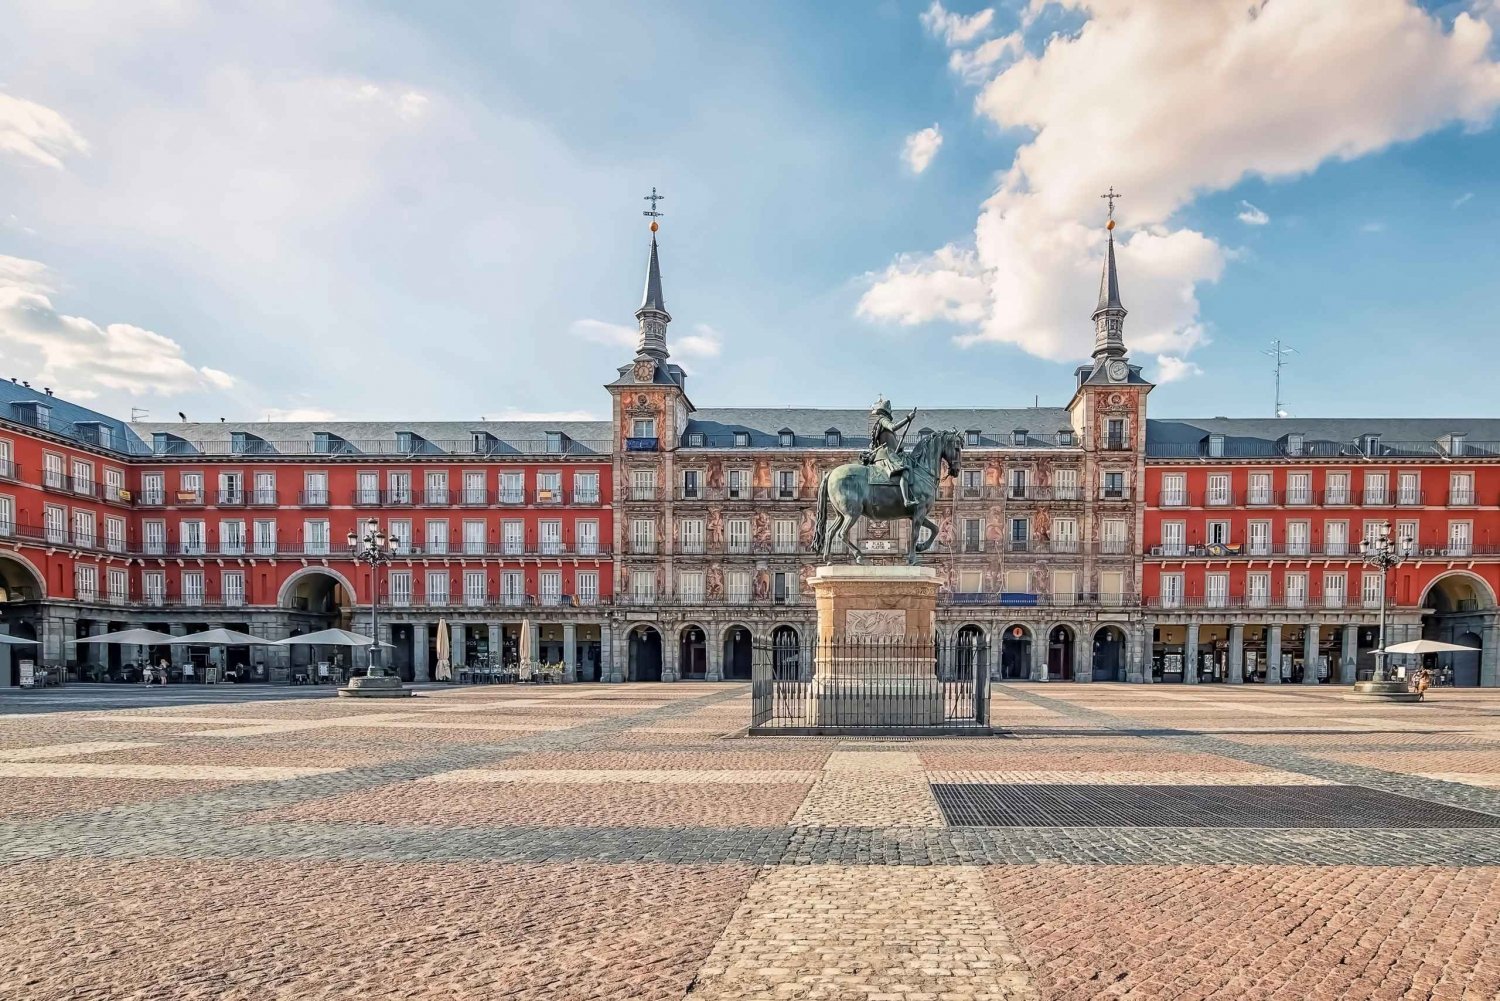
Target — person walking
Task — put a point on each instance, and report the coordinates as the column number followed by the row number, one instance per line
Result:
column 1424, row 681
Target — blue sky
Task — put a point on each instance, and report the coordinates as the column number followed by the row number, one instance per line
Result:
column 434, row 211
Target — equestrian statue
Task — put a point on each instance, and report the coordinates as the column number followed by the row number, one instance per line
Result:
column 888, row 483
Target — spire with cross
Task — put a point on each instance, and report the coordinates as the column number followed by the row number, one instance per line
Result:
column 1109, row 315
column 653, row 198
column 1108, row 196
column 653, row 316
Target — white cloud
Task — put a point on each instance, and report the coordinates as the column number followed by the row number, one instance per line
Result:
column 615, row 335
column 1166, row 101
column 1462, row 199
column 300, row 415
column 920, row 147
column 703, row 342
column 78, row 357
column 37, row 133
column 974, row 65
column 956, row 29
column 1170, row 368
column 1252, row 216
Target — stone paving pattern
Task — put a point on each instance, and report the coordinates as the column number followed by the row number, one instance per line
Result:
column 629, row 842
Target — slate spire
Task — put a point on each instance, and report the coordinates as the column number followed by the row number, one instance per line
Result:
column 652, row 318
column 1109, row 315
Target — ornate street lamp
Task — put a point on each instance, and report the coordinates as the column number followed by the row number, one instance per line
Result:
column 1385, row 552
column 376, row 550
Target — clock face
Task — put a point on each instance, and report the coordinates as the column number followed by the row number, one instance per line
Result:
column 1118, row 371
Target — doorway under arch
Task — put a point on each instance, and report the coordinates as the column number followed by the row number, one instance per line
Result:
column 645, row 654
column 1462, row 605
column 1015, row 653
column 1060, row 654
column 738, row 653
column 1109, row 654
column 786, row 652
column 692, row 654
column 971, row 652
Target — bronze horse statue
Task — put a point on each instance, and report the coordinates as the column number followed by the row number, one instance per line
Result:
column 848, row 490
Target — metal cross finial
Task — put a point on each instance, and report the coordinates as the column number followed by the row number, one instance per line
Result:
column 653, row 198
column 1108, row 196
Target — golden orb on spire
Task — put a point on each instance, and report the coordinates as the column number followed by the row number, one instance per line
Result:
column 1108, row 225
column 654, row 226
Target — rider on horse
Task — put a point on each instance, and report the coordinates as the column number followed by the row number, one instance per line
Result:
column 885, row 446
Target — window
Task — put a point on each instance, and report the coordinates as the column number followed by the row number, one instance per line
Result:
column 437, row 587
column 1171, row 590
column 1407, row 531
column 154, row 587
column 86, row 582
column 192, row 587
column 695, row 439
column 1335, row 590
column 643, row 586
column 643, row 484
column 435, row 486
column 1217, row 533
column 1216, row 590
column 690, row 586
column 1017, row 582
column 264, row 491
column 643, row 427
column 512, row 537
column 315, row 488
column 586, row 583
column 1370, row 444
column 739, row 484
column 1298, row 534
column 1065, row 484
column 1298, row 488
column 737, row 586
column 1173, row 538
column 265, row 537
column 784, row 587
column 554, row 442
column 399, row 532
column 1115, row 434
column 973, row 483
column 1065, row 437
column 973, row 535
column 1114, row 486
column 7, row 515
column 83, row 529
column 1260, row 538
column 153, row 537
column 1215, row 446
column 119, row 586
column 1336, row 489
column 786, row 484
column 737, row 533
column 191, row 536
column 549, row 487
column 475, row 589
column 970, row 581
column 232, row 537
column 1065, row 587
column 399, row 583
column 1296, row 590
column 512, row 488
column 1018, row 484
column 1375, row 488
column 1260, row 488
column 787, row 439
column 1371, row 590
column 1020, row 535
column 833, row 439
column 1336, row 538
column 435, row 536
column 231, row 488
column 1258, row 590
column 232, row 586
column 7, row 459
column 474, row 491
column 1294, row 444
column 83, row 477
column 691, row 488
column 549, row 535
column 512, row 588
column 367, row 489
column 1065, row 535
column 1173, row 490
column 1372, row 532
column 784, row 535
column 742, row 439
column 1460, row 538
column 643, row 536
column 586, row 488
column 549, row 587
column 153, row 488
column 52, row 471
column 1409, row 488
column 1460, row 489
column 690, row 535
column 971, row 437
column 55, row 524
column 588, row 538
column 1113, row 536
column 190, row 488
column 1112, row 587
column 315, row 537
column 1218, row 489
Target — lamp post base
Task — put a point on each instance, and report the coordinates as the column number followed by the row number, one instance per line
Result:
column 379, row 686
column 1382, row 691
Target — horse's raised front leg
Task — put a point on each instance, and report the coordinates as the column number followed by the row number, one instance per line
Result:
column 848, row 533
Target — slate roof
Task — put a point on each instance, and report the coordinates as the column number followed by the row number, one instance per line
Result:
column 376, row 437
column 1322, row 437
column 69, row 420
column 653, row 299
column 809, row 425
column 1109, row 281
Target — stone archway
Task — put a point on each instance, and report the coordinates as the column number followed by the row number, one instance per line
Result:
column 645, row 654
column 1461, row 605
column 739, row 649
column 20, row 580
column 786, row 652
column 1015, row 652
column 1060, row 654
column 1109, row 654
column 970, row 655
column 692, row 653
column 320, row 591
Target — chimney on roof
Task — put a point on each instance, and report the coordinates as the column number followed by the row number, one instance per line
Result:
column 25, row 383
column 47, row 390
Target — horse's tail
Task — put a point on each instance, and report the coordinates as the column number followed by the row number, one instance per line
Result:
column 820, row 526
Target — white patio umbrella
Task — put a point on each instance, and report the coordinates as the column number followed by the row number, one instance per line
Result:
column 133, row 637
column 443, row 669
column 1429, row 646
column 328, row 637
column 222, row 637
column 8, row 640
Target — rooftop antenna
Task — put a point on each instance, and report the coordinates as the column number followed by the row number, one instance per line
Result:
column 138, row 413
column 1279, row 352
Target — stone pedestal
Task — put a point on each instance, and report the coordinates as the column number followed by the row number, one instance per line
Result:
column 874, row 663
column 1381, row 691
column 375, row 686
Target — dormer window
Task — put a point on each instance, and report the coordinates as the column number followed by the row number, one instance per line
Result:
column 695, row 439
column 1456, row 443
column 832, row 438
column 971, row 437
column 237, row 442
column 1294, row 443
column 1370, row 444
column 557, row 443
column 787, row 438
column 742, row 439
column 1018, row 437
column 1065, row 436
column 405, row 442
column 484, row 442
column 1216, row 446
column 33, row 412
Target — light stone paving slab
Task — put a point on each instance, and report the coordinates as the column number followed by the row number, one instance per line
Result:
column 871, row 761
column 663, row 776
column 1266, row 778
column 830, row 933
column 1486, row 779
column 44, row 751
column 195, row 773
column 870, row 789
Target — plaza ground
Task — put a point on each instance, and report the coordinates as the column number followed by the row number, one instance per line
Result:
column 628, row 842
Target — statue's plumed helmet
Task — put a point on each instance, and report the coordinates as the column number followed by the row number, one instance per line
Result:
column 882, row 406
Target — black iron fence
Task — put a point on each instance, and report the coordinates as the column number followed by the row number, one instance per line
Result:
column 871, row 685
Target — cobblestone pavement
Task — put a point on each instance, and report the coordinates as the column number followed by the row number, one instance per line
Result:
column 629, row 842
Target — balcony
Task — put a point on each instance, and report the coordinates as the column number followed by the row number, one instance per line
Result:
column 151, row 498
column 641, row 444
column 549, row 495
column 188, row 498
column 1462, row 498
column 1114, row 494
column 1258, row 497
column 1375, row 498
column 1026, row 599
column 1220, row 498
column 1409, row 498
column 313, row 498
column 511, row 495
column 1337, row 498
column 586, row 497
column 83, row 487
column 1299, row 498
column 473, row 497
column 435, row 498
column 1175, row 498
column 694, row 548
column 54, row 479
column 263, row 497
column 231, row 498
column 9, row 470
column 1116, row 443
